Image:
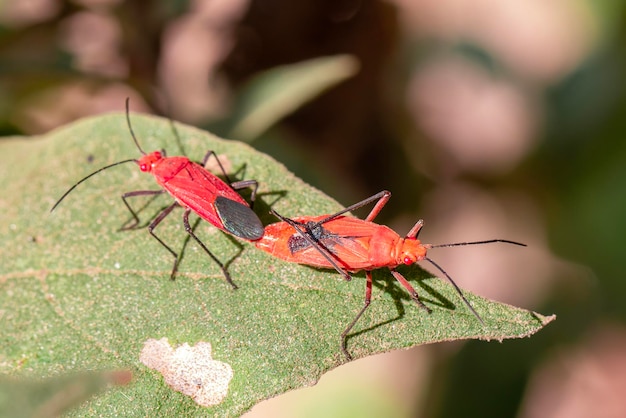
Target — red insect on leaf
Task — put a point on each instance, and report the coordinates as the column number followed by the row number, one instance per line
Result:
column 195, row 189
column 350, row 244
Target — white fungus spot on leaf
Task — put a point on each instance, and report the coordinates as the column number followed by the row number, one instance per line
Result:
column 189, row 370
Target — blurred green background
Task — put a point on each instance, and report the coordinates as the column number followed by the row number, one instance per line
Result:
column 489, row 119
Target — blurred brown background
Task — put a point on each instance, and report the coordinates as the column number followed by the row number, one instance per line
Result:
column 487, row 118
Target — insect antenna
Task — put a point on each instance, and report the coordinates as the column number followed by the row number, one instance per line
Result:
column 130, row 128
column 132, row 133
column 458, row 289
column 459, row 244
column 85, row 178
column 179, row 142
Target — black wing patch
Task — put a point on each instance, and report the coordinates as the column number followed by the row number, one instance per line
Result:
column 239, row 219
column 319, row 234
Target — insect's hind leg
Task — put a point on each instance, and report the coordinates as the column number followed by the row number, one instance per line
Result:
column 189, row 230
column 307, row 234
column 381, row 199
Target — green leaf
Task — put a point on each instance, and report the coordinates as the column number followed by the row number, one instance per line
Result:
column 77, row 294
column 277, row 92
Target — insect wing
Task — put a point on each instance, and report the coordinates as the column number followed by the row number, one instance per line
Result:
column 357, row 243
column 239, row 219
column 211, row 198
column 345, row 239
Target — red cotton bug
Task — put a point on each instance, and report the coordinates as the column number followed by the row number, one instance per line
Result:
column 195, row 189
column 350, row 244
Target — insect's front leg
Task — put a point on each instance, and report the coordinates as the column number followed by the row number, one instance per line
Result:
column 414, row 296
column 135, row 220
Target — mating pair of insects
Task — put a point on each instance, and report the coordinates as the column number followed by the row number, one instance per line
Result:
column 345, row 243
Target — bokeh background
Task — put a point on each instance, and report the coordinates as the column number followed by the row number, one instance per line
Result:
column 487, row 118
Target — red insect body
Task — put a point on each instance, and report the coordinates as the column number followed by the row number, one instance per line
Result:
column 355, row 244
column 195, row 189
column 349, row 244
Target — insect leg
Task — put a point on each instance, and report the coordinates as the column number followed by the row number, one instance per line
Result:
column 219, row 163
column 368, row 299
column 410, row 289
column 218, row 262
column 381, row 197
column 304, row 233
column 382, row 201
column 416, row 229
column 154, row 224
column 130, row 209
column 242, row 184
column 237, row 185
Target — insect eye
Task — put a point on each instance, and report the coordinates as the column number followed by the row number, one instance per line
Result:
column 143, row 167
column 408, row 260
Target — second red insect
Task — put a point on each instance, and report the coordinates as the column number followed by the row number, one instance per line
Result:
column 350, row 244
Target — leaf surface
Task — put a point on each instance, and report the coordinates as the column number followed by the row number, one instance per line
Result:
column 78, row 294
